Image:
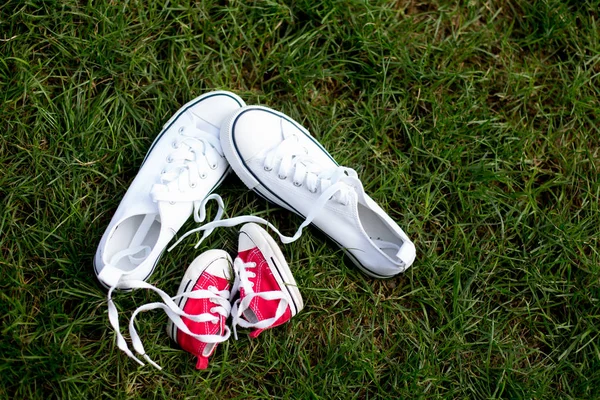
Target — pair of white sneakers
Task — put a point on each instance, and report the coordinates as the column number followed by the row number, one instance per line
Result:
column 274, row 156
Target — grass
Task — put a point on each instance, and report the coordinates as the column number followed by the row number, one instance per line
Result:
column 473, row 123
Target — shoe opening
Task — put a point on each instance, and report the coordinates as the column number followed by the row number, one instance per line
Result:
column 379, row 231
column 138, row 231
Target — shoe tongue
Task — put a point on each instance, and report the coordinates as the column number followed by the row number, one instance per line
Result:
column 203, row 123
column 144, row 206
column 358, row 191
column 193, row 119
column 360, row 196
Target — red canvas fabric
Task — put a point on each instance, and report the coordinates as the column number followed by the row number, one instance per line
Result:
column 200, row 306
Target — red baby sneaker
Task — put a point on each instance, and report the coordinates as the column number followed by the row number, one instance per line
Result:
column 204, row 297
column 269, row 295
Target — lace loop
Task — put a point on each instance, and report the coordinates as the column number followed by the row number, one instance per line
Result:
column 200, row 216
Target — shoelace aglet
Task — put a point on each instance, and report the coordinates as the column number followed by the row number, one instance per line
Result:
column 204, row 236
column 137, row 360
column 155, row 365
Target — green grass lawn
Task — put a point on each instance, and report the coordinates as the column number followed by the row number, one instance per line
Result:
column 474, row 123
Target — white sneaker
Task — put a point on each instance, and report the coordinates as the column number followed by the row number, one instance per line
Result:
column 276, row 157
column 184, row 164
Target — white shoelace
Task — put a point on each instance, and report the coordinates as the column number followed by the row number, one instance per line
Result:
column 174, row 312
column 337, row 184
column 182, row 161
column 200, row 216
column 242, row 280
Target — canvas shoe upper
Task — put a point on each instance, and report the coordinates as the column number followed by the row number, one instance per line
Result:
column 276, row 157
column 184, row 164
column 197, row 314
column 268, row 294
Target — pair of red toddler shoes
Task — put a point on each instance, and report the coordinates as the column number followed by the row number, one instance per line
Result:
column 257, row 290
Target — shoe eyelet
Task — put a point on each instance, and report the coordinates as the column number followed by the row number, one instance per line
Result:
column 172, row 203
column 268, row 169
column 214, row 166
column 203, row 175
column 193, row 185
column 297, row 184
column 169, row 159
column 181, row 129
column 313, row 191
column 175, row 145
column 282, row 177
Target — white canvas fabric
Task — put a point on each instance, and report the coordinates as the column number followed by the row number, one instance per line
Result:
column 277, row 158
